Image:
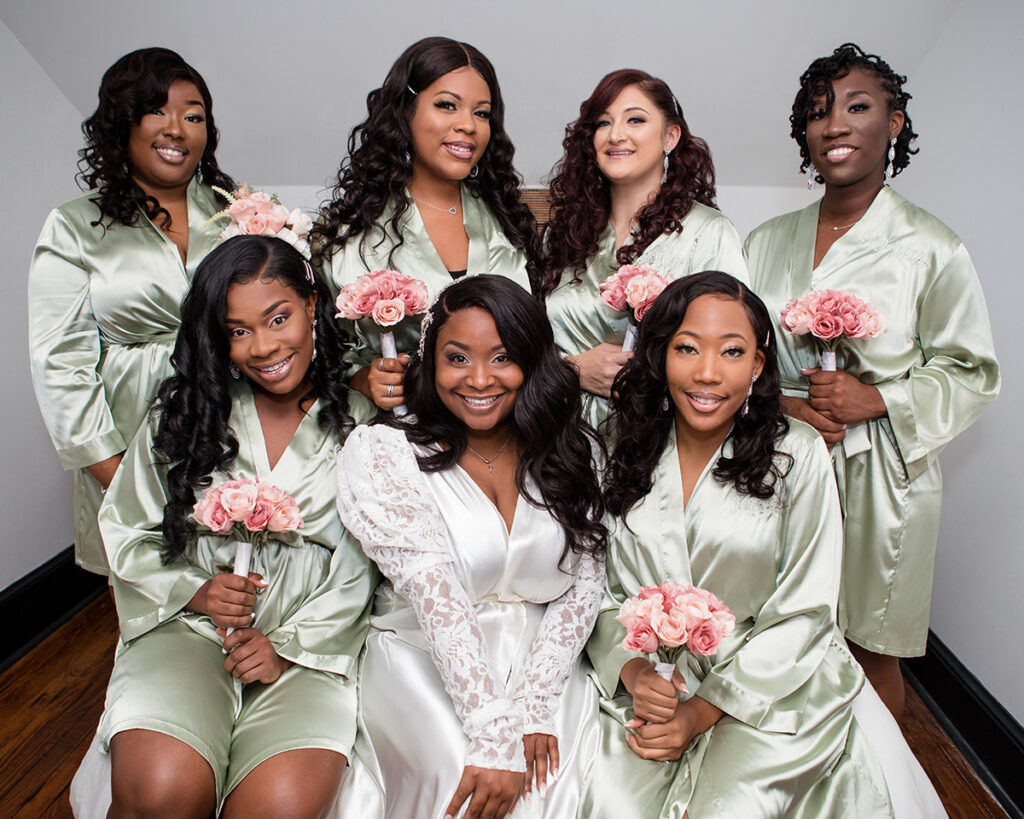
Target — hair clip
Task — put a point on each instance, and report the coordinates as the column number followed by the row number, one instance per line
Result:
column 411, row 91
column 309, row 272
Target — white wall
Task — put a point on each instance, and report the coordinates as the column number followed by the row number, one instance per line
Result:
column 38, row 144
column 969, row 110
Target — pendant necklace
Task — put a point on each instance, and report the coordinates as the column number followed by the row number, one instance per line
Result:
column 490, row 461
column 837, row 227
column 453, row 210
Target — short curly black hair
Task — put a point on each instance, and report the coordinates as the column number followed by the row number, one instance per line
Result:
column 817, row 79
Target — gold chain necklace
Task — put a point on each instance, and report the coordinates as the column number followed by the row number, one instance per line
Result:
column 837, row 227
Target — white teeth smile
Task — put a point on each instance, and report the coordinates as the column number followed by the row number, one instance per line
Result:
column 839, row 153
column 171, row 154
column 460, row 151
column 275, row 369
column 480, row 402
column 705, row 400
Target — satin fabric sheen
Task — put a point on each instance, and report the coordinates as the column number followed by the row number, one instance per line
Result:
column 788, row 744
column 168, row 673
column 489, row 252
column 411, row 749
column 936, row 370
column 581, row 321
column 104, row 309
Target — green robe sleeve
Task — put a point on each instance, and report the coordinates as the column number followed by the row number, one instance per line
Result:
column 762, row 683
column 65, row 350
column 957, row 375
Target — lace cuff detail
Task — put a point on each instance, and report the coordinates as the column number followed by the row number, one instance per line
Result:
column 384, row 501
column 564, row 631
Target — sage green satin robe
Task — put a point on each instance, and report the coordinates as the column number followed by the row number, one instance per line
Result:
column 788, row 744
column 489, row 252
column 315, row 610
column 935, row 368
column 581, row 321
column 104, row 309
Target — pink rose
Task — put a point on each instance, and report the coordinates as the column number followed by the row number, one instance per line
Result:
column 257, row 519
column 277, row 218
column 210, row 513
column 641, row 311
column 646, row 607
column 388, row 312
column 704, row 639
column 855, row 324
column 642, row 290
column 724, row 621
column 285, row 517
column 272, row 494
column 413, row 294
column 300, row 222
column 238, row 499
column 255, row 225
column 613, row 290
column 693, row 610
column 670, row 628
column 826, row 327
column 796, row 317
column 671, row 592
column 875, row 325
column 627, row 611
column 640, row 637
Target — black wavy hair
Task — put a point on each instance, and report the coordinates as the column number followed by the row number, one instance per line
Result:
column 555, row 445
column 194, row 404
column 817, row 80
column 132, row 87
column 643, row 427
column 377, row 170
column 581, row 195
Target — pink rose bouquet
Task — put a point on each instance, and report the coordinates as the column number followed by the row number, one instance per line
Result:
column 669, row 618
column 386, row 297
column 830, row 316
column 247, row 511
column 632, row 288
column 256, row 213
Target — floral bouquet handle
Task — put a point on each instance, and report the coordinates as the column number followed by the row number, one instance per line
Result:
column 247, row 510
column 830, row 316
column 669, row 618
column 387, row 297
column 632, row 289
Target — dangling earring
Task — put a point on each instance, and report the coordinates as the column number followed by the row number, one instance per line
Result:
column 311, row 360
column 199, row 173
column 407, row 157
column 235, row 372
column 812, row 171
column 664, row 402
column 664, row 173
column 889, row 171
column 473, row 173
column 750, row 391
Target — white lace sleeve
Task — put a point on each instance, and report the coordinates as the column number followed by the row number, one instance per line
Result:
column 564, row 630
column 383, row 500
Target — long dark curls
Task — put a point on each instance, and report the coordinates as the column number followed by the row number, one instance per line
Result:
column 194, row 404
column 643, row 427
column 581, row 195
column 132, row 87
column 817, row 80
column 376, row 171
column 555, row 445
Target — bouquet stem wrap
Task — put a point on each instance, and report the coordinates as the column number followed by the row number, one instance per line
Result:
column 664, row 670
column 389, row 350
column 629, row 342
column 243, row 556
column 828, row 361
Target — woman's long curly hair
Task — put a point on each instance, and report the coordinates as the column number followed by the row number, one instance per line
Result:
column 194, row 405
column 131, row 88
column 556, row 446
column 755, row 465
column 378, row 166
column 581, row 194
column 817, row 80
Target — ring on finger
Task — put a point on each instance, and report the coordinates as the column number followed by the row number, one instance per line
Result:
column 380, row 364
column 391, row 390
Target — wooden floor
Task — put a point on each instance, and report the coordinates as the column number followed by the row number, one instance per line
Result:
column 50, row 702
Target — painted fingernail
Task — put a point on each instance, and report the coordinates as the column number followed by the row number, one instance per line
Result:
column 223, row 651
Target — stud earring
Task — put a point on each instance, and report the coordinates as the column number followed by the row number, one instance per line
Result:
column 812, row 172
column 235, row 372
column 746, row 402
column 664, row 165
column 889, row 171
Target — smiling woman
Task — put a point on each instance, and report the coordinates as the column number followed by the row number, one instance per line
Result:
column 483, row 512
column 111, row 267
column 897, row 400
column 428, row 188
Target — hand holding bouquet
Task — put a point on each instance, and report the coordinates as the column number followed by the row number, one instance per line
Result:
column 632, row 289
column 669, row 618
column 830, row 316
column 387, row 297
column 247, row 511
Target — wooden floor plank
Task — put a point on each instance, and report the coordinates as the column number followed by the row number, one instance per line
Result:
column 51, row 701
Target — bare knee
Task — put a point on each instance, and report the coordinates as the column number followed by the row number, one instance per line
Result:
column 300, row 784
column 155, row 775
